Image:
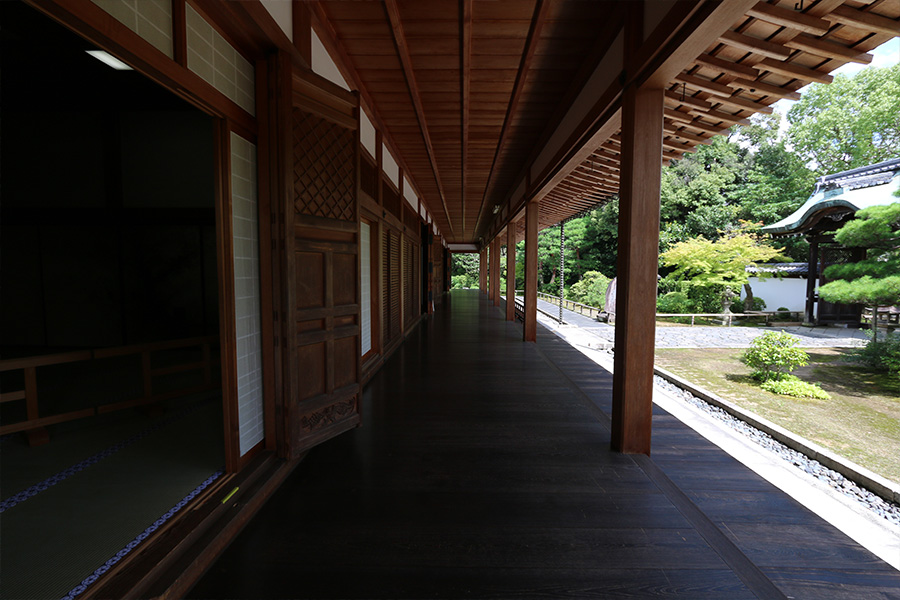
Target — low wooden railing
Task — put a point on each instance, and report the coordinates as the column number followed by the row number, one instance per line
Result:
column 34, row 424
column 728, row 318
column 582, row 309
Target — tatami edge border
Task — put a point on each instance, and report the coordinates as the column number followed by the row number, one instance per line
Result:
column 860, row 475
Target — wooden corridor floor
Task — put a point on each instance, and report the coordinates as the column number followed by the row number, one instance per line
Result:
column 483, row 470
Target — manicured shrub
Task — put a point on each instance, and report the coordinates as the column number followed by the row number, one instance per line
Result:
column 773, row 354
column 783, row 316
column 590, row 289
column 674, row 302
column 758, row 304
column 883, row 354
column 790, row 385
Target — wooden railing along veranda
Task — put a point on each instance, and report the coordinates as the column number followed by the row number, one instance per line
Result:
column 34, row 423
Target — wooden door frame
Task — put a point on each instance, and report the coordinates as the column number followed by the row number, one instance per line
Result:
column 92, row 23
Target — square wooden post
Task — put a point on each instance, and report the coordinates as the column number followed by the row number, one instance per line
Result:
column 495, row 271
column 638, row 258
column 531, row 258
column 511, row 271
column 482, row 270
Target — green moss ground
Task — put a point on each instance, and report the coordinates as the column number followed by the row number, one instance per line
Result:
column 861, row 421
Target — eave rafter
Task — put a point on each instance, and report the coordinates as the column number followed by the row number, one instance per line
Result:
column 749, row 68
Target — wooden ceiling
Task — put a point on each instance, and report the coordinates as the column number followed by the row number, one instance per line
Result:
column 468, row 91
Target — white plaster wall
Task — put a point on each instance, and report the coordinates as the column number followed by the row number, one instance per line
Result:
column 787, row 292
column 367, row 133
column 323, row 64
column 215, row 60
column 410, row 194
column 283, row 13
column 248, row 322
column 150, row 19
column 389, row 165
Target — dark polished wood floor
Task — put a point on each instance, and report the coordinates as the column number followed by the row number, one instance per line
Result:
column 483, row 470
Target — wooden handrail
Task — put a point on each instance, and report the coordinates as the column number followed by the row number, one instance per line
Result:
column 33, row 425
column 43, row 360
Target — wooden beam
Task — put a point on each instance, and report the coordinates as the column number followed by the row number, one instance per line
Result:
column 796, row 71
column 726, row 66
column 482, row 270
column 328, row 35
column 677, row 115
column 828, row 49
column 531, row 271
column 534, row 34
column 754, row 45
column 704, row 85
column 511, row 271
column 743, row 103
column 792, row 19
column 465, row 89
column 495, row 270
column 676, row 98
column 409, row 73
column 638, row 248
column 866, row 21
column 716, row 115
column 759, row 87
column 685, row 135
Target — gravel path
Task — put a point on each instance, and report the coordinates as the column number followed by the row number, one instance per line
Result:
column 700, row 336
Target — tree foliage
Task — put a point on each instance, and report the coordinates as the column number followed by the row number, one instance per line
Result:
column 774, row 354
column 464, row 270
column 849, row 123
column 874, row 281
column 591, row 289
column 723, row 262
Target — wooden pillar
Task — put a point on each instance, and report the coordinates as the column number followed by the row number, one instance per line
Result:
column 638, row 249
column 811, row 276
column 490, row 270
column 482, row 270
column 511, row 271
column 531, row 258
column 495, row 270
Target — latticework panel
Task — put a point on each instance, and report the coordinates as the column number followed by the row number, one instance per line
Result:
column 391, row 286
column 324, row 168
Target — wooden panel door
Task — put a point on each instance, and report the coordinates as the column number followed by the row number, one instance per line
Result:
column 324, row 346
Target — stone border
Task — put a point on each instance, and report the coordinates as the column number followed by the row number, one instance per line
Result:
column 860, row 475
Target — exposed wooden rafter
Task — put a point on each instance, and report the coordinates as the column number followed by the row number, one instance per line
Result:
column 534, row 34
column 792, row 19
column 465, row 86
column 403, row 50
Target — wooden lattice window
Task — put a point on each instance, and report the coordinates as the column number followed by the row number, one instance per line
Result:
column 410, row 281
column 390, row 292
column 324, row 169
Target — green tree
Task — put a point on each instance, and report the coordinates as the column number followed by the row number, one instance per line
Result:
column 777, row 181
column 703, row 263
column 875, row 280
column 851, row 122
column 464, row 271
column 591, row 289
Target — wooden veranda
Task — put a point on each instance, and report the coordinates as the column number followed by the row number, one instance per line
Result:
column 483, row 470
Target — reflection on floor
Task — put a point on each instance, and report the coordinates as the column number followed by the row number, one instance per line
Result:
column 70, row 506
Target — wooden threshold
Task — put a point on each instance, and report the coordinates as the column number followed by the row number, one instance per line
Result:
column 167, row 565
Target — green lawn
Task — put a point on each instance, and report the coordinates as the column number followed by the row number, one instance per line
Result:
column 861, row 421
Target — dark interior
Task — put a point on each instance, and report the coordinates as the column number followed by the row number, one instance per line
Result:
column 107, row 240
